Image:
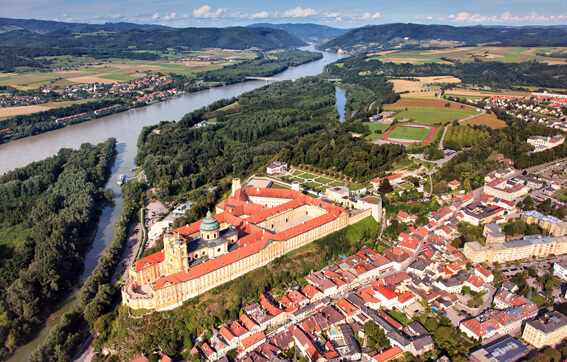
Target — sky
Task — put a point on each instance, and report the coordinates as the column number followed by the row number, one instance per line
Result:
column 335, row 13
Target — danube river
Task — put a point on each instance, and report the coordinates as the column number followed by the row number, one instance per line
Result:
column 125, row 127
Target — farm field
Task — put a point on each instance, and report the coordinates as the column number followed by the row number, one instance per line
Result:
column 425, row 103
column 433, row 116
column 115, row 69
column 413, row 86
column 16, row 111
column 468, row 54
column 410, row 133
column 463, row 93
column 489, row 120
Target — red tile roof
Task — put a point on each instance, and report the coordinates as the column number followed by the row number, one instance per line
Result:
column 149, row 260
column 387, row 293
column 388, row 354
column 310, row 291
column 253, row 339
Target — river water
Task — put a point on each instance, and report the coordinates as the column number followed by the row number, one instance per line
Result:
column 125, row 127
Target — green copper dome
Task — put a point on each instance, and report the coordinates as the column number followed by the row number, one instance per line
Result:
column 209, row 224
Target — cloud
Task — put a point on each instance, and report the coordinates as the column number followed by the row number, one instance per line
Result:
column 505, row 17
column 170, row 16
column 260, row 15
column 299, row 12
column 205, row 12
column 155, row 16
column 429, row 17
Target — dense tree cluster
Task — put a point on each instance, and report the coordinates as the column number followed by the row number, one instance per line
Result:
column 261, row 67
column 458, row 136
column 57, row 201
column 296, row 119
column 474, row 163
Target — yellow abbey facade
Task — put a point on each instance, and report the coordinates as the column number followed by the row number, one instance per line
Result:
column 250, row 228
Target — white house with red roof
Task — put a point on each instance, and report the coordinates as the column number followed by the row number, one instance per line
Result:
column 387, row 297
column 483, row 273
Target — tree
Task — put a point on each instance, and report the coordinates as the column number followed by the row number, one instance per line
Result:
column 385, row 186
column 553, row 354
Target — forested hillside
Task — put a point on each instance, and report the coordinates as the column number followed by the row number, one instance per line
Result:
column 23, row 41
column 48, row 212
column 307, row 32
column 380, row 37
column 153, row 39
column 297, row 120
column 493, row 74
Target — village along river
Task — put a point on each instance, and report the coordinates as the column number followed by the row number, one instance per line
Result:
column 125, row 127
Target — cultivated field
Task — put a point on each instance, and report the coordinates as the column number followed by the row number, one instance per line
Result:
column 429, row 110
column 489, row 120
column 16, row 111
column 413, row 86
column 463, row 93
column 117, row 70
column 433, row 103
column 468, row 54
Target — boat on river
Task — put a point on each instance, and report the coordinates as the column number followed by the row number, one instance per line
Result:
column 121, row 180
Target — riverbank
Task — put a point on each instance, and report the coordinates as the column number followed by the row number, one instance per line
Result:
column 22, row 126
column 126, row 127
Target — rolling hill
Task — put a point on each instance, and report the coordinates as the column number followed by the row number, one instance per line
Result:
column 312, row 33
column 395, row 36
column 38, row 34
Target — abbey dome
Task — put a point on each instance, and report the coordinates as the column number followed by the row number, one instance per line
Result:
column 209, row 224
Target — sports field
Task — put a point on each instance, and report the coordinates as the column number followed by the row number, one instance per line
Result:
column 469, row 54
column 414, row 133
column 410, row 133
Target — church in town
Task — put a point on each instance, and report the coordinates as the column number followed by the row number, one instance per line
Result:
column 248, row 230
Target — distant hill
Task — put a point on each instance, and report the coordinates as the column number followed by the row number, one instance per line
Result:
column 312, row 33
column 390, row 36
column 7, row 24
column 38, row 34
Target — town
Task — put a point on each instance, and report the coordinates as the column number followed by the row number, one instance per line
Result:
column 380, row 306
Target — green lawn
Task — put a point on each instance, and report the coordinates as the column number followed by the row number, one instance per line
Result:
column 137, row 312
column 10, row 237
column 297, row 173
column 307, row 175
column 435, row 115
column 561, row 195
column 410, row 133
column 278, row 186
column 538, row 299
column 323, row 180
column 312, row 185
column 399, row 316
column 375, row 127
column 337, row 183
column 296, row 179
column 354, row 187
